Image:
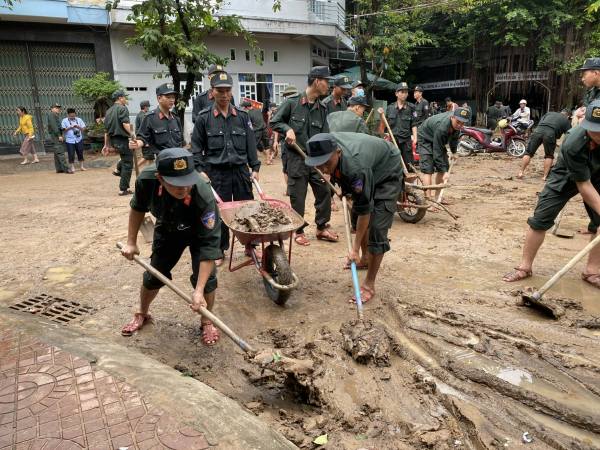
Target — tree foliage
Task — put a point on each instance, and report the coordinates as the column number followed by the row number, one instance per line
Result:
column 8, row 4
column 173, row 32
column 98, row 90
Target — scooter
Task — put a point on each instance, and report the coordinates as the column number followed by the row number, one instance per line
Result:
column 478, row 140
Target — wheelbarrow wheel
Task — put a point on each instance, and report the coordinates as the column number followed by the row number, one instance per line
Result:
column 276, row 265
column 408, row 214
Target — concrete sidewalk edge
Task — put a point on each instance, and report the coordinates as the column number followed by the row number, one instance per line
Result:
column 187, row 399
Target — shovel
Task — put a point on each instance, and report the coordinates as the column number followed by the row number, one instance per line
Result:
column 359, row 304
column 329, row 183
column 442, row 191
column 201, row 310
column 554, row 230
column 537, row 296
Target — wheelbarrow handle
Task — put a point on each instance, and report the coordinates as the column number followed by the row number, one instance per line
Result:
column 260, row 192
column 219, row 201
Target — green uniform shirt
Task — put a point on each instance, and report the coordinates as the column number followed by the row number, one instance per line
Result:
column 295, row 113
column 54, row 125
column 578, row 160
column 204, row 100
column 423, row 111
column 224, row 140
column 438, row 130
column 494, row 112
column 160, row 132
column 401, row 120
column 347, row 121
column 554, row 123
column 592, row 95
column 116, row 116
column 198, row 215
column 256, row 117
column 335, row 105
column 361, row 172
column 138, row 121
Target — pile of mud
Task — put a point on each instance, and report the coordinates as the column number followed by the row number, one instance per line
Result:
column 261, row 217
column 366, row 341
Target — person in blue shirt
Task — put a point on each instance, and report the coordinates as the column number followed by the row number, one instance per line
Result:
column 74, row 128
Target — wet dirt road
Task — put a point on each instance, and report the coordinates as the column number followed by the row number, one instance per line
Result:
column 468, row 367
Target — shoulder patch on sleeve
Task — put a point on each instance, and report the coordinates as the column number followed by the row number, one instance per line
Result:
column 208, row 220
column 414, row 114
column 426, row 107
column 357, row 186
column 250, row 124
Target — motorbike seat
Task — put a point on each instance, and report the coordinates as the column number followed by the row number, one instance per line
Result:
column 481, row 130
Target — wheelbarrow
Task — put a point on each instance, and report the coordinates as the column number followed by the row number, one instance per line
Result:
column 411, row 206
column 278, row 277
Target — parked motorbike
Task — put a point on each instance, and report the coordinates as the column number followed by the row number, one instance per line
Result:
column 478, row 140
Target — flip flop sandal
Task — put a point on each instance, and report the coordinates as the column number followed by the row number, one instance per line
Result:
column 135, row 324
column 334, row 207
column 584, row 232
column 301, row 239
column 446, row 203
column 514, row 275
column 210, row 333
column 116, row 174
column 23, row 163
column 358, row 267
column 34, row 162
column 363, row 298
column 593, row 279
column 328, row 236
column 433, row 209
column 520, row 177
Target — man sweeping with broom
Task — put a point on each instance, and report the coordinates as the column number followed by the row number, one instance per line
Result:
column 371, row 170
column 577, row 171
column 187, row 215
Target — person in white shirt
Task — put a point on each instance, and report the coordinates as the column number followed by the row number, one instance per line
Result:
column 74, row 128
column 523, row 116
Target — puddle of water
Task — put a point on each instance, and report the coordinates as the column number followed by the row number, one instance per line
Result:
column 55, row 275
column 5, row 294
column 579, row 398
column 573, row 288
column 556, row 425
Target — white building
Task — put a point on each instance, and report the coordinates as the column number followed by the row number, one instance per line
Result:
column 299, row 36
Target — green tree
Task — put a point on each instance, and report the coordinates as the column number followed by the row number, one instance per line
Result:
column 173, row 31
column 97, row 89
column 9, row 4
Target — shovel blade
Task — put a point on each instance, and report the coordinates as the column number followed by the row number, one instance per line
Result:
column 547, row 306
column 565, row 234
column 147, row 229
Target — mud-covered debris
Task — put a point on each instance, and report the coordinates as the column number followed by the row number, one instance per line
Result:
column 593, row 324
column 260, row 217
column 281, row 338
column 276, row 362
column 552, row 304
column 366, row 341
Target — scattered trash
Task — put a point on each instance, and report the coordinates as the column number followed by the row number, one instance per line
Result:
column 32, row 310
column 525, row 438
column 321, row 440
column 187, row 373
column 276, row 357
column 123, row 448
column 44, row 278
column 361, row 437
column 457, row 443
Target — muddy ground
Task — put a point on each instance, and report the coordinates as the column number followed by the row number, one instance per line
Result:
column 467, row 368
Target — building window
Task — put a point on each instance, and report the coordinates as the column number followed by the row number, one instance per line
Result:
column 278, row 92
column 314, row 49
column 262, row 55
column 232, row 54
column 256, row 86
column 247, row 55
column 136, row 89
column 324, row 54
column 275, row 56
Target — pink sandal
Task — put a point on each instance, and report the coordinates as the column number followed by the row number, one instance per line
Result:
column 136, row 324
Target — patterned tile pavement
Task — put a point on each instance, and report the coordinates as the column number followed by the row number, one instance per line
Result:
column 50, row 400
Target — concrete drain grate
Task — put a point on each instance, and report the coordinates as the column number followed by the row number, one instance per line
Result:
column 54, row 308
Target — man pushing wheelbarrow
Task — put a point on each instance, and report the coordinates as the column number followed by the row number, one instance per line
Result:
column 187, row 216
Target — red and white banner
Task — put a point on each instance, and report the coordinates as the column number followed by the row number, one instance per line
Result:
column 255, row 104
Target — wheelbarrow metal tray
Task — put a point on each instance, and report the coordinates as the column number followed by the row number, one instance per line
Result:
column 228, row 210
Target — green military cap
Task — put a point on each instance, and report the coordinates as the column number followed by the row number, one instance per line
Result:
column 358, row 100
column 144, row 103
column 592, row 117
column 164, row 89
column 343, row 82
column 568, row 111
column 221, row 80
column 246, row 104
column 118, row 94
column 289, row 90
column 418, row 89
column 402, row 86
column 462, row 114
column 357, row 84
column 319, row 149
column 590, row 64
column 320, row 72
column 215, row 68
column 498, row 102
column 176, row 166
